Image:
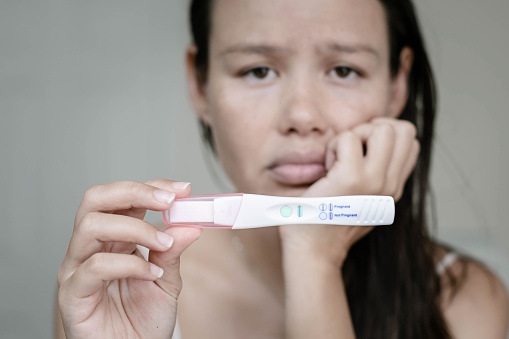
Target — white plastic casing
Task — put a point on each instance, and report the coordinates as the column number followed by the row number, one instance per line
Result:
column 243, row 211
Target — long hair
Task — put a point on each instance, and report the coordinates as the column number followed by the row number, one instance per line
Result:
column 392, row 288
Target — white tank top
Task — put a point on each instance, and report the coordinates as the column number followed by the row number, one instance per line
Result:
column 446, row 261
column 176, row 332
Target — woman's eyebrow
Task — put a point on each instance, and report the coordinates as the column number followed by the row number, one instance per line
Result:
column 267, row 49
column 263, row 49
column 348, row 48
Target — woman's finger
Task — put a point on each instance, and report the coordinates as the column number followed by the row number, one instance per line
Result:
column 91, row 276
column 98, row 231
column 169, row 260
column 348, row 148
column 126, row 195
column 180, row 188
column 408, row 168
column 343, row 162
column 405, row 135
column 379, row 140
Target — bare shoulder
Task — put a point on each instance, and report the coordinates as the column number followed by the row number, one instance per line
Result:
column 479, row 306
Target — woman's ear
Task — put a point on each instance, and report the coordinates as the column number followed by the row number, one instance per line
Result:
column 196, row 85
column 399, row 92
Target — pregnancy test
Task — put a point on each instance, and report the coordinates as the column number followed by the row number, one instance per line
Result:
column 242, row 211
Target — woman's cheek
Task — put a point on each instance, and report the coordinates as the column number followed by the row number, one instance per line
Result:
column 238, row 137
column 348, row 109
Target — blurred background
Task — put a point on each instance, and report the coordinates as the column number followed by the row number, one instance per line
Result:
column 94, row 91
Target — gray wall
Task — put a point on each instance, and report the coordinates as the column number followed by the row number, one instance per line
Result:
column 94, row 91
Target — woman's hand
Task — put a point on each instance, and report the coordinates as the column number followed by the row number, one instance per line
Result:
column 374, row 158
column 106, row 288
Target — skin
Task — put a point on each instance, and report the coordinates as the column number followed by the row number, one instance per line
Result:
column 295, row 92
column 106, row 289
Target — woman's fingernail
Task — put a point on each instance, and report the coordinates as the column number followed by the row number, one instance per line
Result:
column 180, row 185
column 164, row 239
column 164, row 196
column 156, row 270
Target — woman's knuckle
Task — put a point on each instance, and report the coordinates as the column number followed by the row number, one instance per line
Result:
column 408, row 129
column 96, row 263
column 158, row 181
column 92, row 192
column 347, row 136
column 384, row 131
column 134, row 188
column 89, row 223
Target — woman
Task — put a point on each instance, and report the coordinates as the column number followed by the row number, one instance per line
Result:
column 297, row 98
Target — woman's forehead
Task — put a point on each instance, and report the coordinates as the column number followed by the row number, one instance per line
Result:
column 298, row 23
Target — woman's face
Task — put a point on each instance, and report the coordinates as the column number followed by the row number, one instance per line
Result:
column 285, row 76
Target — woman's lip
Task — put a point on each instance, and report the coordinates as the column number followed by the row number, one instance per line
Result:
column 297, row 174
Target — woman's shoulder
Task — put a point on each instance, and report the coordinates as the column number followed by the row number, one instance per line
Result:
column 474, row 300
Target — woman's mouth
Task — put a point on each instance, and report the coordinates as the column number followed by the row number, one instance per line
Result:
column 296, row 170
column 297, row 174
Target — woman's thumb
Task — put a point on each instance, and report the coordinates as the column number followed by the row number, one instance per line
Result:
column 169, row 260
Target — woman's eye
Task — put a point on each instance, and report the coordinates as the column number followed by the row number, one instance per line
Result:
column 259, row 73
column 344, row 72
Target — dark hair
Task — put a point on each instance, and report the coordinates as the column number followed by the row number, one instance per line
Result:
column 391, row 283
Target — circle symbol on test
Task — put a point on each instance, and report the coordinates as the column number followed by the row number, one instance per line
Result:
column 323, row 215
column 323, row 207
column 285, row 211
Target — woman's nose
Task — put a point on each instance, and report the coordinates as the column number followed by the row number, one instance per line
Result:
column 301, row 111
